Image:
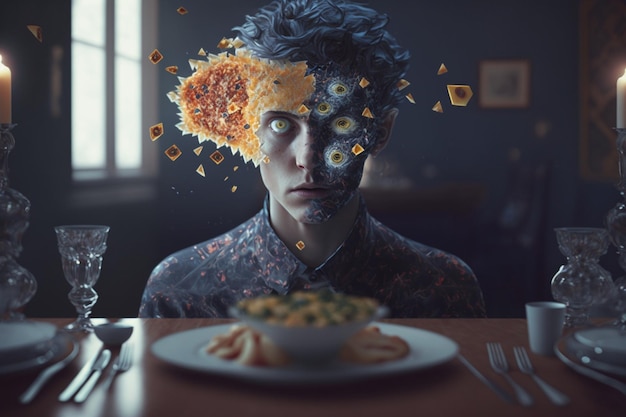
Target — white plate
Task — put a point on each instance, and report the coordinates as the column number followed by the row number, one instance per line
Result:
column 59, row 348
column 187, row 350
column 23, row 334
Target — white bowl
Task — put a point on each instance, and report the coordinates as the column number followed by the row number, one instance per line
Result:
column 309, row 344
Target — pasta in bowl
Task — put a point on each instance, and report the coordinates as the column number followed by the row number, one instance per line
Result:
column 309, row 326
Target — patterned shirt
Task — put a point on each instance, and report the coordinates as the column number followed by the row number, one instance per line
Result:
column 412, row 279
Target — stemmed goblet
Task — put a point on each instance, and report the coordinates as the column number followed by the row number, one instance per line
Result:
column 81, row 248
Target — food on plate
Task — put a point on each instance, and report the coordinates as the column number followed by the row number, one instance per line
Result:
column 248, row 347
column 370, row 345
column 309, row 308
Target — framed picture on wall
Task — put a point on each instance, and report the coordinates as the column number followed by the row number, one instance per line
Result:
column 504, row 83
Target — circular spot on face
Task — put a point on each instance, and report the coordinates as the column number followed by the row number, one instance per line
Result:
column 339, row 89
column 336, row 157
column 324, row 108
column 343, row 125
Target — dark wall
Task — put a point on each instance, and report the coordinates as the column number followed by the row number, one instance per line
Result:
column 459, row 163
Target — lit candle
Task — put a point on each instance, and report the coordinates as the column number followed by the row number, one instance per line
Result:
column 5, row 93
column 621, row 101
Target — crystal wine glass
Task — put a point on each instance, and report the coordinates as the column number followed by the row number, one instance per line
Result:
column 81, row 248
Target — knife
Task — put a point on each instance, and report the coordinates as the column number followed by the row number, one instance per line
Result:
column 496, row 388
column 80, row 378
column 98, row 367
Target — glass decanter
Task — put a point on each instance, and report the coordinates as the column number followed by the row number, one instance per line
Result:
column 582, row 283
column 17, row 284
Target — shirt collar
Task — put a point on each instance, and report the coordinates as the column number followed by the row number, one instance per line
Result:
column 284, row 272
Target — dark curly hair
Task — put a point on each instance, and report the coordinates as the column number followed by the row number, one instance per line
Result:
column 325, row 31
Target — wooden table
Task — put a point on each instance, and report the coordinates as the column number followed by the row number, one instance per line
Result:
column 153, row 388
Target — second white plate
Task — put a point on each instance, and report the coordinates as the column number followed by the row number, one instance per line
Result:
column 187, row 350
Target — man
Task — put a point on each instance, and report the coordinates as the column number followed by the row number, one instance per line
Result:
column 311, row 91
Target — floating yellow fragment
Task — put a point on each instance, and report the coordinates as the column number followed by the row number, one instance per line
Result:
column 357, row 149
column 36, row 31
column 236, row 167
column 200, row 170
column 226, row 178
column 364, row 82
column 367, row 113
column 442, row 69
column 155, row 56
column 402, row 84
column 303, row 109
column 438, row 107
column 300, row 245
column 202, row 52
column 233, row 189
column 460, row 95
column 172, row 69
column 410, row 98
column 198, row 150
column 217, row 157
column 266, row 159
column 156, row 131
column 182, row 11
column 173, row 152
column 225, row 43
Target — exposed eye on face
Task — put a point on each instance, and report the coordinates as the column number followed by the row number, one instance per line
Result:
column 324, row 108
column 280, row 125
column 343, row 125
column 339, row 89
column 336, row 157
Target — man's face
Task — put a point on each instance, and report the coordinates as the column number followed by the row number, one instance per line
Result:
column 315, row 163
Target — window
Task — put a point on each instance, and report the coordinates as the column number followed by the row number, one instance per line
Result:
column 113, row 89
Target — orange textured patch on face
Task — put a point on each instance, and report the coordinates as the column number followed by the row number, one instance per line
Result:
column 225, row 97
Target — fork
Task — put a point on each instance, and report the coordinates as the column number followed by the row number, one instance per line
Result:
column 122, row 363
column 498, row 362
column 525, row 365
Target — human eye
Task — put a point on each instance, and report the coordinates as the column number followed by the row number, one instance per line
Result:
column 280, row 125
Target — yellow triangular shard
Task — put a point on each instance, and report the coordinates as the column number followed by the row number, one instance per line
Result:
column 155, row 56
column 437, row 107
column 402, row 84
column 200, row 170
column 156, row 131
column 367, row 113
column 172, row 69
column 202, row 52
column 357, row 149
column 36, row 31
column 442, row 69
column 198, row 150
column 410, row 98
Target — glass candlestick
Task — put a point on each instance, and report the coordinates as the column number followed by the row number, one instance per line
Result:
column 616, row 226
column 17, row 285
column 581, row 283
